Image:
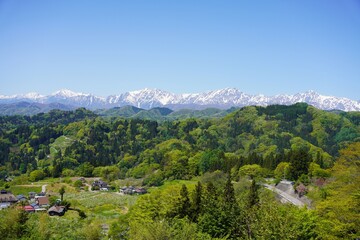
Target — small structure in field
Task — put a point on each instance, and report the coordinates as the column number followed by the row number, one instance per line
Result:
column 42, row 201
column 57, row 210
column 29, row 208
column 32, row 195
column 21, row 198
column 133, row 190
column 7, row 199
column 99, row 185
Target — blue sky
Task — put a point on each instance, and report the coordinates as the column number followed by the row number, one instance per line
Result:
column 110, row 47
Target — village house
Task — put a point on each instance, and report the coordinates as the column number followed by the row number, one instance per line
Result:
column 82, row 179
column 34, row 205
column 6, row 199
column 133, row 190
column 42, row 201
column 99, row 185
column 21, row 198
column 56, row 210
column 32, row 195
column 4, row 205
column 29, row 208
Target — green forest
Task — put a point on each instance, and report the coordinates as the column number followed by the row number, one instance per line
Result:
column 204, row 175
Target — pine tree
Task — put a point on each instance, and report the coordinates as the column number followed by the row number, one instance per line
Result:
column 299, row 160
column 185, row 205
column 230, row 215
column 253, row 197
column 61, row 192
column 197, row 202
column 209, row 220
column 229, row 193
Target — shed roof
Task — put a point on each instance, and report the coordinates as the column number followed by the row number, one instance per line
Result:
column 43, row 200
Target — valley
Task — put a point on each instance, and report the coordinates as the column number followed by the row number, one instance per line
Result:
column 125, row 177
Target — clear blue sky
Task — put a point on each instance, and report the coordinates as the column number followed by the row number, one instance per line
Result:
column 109, row 47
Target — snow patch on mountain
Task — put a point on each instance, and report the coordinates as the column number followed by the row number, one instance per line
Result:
column 150, row 98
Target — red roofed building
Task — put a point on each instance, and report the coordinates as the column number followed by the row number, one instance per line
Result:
column 29, row 208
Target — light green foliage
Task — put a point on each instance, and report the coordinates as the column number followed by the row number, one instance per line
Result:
column 68, row 172
column 109, row 173
column 178, row 229
column 36, row 175
column 339, row 211
column 218, row 178
column 142, row 170
column 273, row 221
column 78, row 184
column 43, row 227
column 282, row 170
column 158, row 205
column 13, row 223
column 316, row 171
column 253, row 171
column 155, row 179
column 85, row 170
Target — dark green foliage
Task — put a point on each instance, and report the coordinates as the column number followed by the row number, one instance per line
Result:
column 212, row 160
column 184, row 203
column 253, row 197
column 62, row 192
column 299, row 163
column 196, row 208
column 230, row 217
column 82, row 214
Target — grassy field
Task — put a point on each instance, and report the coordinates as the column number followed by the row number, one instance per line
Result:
column 103, row 206
column 60, row 143
column 24, row 189
column 99, row 207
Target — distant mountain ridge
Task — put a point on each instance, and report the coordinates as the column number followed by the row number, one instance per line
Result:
column 151, row 98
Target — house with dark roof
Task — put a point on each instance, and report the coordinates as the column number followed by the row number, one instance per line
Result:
column 7, row 198
column 32, row 195
column 21, row 198
column 99, row 185
column 57, row 210
column 35, row 206
column 133, row 190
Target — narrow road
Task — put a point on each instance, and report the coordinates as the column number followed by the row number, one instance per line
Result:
column 285, row 196
column 43, row 188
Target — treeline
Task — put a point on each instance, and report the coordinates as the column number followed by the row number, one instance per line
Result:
column 68, row 143
column 215, row 210
column 218, row 208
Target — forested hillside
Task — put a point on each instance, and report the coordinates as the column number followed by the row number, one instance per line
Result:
column 318, row 150
column 68, row 143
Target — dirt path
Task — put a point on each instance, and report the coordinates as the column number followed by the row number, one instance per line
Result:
column 89, row 187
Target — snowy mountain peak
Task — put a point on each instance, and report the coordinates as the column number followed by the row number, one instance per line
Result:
column 149, row 98
column 33, row 95
column 66, row 93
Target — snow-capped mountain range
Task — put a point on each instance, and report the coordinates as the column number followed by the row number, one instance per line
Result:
column 150, row 98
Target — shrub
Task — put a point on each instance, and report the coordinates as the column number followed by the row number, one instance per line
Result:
column 36, row 175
